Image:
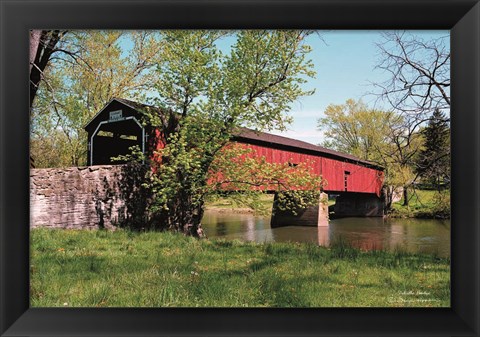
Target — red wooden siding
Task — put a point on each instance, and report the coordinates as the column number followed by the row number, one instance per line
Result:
column 361, row 179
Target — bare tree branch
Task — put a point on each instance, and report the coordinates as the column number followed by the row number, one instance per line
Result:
column 419, row 74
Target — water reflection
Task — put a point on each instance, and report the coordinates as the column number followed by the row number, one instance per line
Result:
column 413, row 235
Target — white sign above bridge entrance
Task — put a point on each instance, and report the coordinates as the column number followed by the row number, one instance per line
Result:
column 116, row 115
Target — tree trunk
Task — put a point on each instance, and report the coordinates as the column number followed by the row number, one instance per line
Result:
column 405, row 195
column 182, row 216
column 34, row 43
column 44, row 46
column 387, row 196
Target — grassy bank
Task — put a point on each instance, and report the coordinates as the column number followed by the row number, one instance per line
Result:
column 125, row 269
column 262, row 206
column 427, row 204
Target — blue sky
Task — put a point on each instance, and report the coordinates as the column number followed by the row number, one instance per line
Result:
column 345, row 65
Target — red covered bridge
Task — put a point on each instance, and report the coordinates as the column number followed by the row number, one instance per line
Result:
column 357, row 182
column 343, row 172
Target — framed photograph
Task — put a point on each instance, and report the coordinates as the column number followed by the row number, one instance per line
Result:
column 117, row 126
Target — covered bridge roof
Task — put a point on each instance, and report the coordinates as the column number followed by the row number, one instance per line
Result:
column 258, row 138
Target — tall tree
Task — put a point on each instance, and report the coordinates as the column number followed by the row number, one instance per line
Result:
column 379, row 136
column 43, row 44
column 434, row 161
column 355, row 128
column 405, row 143
column 94, row 67
column 207, row 94
column 418, row 85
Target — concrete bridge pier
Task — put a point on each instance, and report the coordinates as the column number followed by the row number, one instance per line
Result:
column 358, row 205
column 316, row 215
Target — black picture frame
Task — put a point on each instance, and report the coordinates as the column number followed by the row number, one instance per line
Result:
column 462, row 17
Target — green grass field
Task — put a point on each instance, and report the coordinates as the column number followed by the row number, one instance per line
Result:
column 126, row 269
column 424, row 204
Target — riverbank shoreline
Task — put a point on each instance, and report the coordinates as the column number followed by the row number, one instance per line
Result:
column 239, row 210
column 426, row 216
column 424, row 204
column 393, row 215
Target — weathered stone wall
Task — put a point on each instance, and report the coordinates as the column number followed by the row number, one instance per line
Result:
column 76, row 197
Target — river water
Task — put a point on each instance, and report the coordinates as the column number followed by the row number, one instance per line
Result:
column 412, row 235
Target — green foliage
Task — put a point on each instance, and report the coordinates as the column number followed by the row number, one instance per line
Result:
column 296, row 200
column 150, row 269
column 433, row 163
column 356, row 129
column 205, row 93
column 424, row 204
column 442, row 205
column 79, row 82
column 385, row 138
column 206, row 96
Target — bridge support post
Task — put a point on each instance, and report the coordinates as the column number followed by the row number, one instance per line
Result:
column 358, row 205
column 316, row 215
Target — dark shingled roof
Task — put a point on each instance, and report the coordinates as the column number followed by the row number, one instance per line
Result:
column 269, row 139
column 134, row 105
